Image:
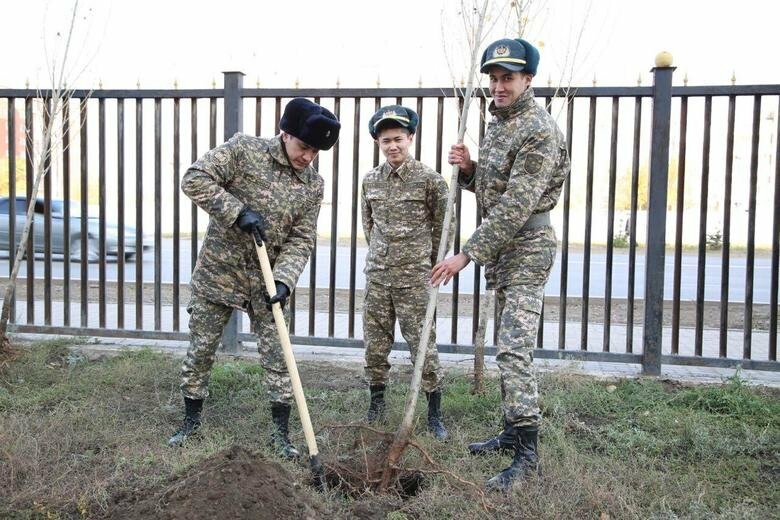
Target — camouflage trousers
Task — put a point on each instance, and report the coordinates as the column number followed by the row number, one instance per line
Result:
column 207, row 320
column 382, row 306
column 519, row 308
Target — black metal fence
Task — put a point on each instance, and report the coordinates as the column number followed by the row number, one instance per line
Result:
column 109, row 153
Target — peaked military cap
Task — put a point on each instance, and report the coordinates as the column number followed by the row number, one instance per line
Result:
column 311, row 123
column 513, row 55
column 395, row 114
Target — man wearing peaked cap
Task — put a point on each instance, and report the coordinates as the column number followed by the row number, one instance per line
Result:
column 515, row 241
column 254, row 189
column 403, row 205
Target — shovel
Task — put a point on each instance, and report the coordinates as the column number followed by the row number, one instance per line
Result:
column 292, row 369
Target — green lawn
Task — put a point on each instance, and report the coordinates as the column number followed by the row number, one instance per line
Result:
column 74, row 433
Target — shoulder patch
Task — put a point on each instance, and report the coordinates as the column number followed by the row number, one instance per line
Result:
column 533, row 163
column 221, row 157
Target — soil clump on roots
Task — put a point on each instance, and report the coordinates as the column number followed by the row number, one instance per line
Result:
column 233, row 483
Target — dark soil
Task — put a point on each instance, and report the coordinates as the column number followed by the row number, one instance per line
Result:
column 233, row 483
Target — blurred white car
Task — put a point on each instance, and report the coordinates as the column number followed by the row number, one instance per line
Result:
column 58, row 238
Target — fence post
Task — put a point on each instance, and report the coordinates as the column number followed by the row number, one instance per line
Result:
column 233, row 122
column 656, row 215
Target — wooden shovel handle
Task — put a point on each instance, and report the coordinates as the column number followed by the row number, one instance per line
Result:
column 289, row 359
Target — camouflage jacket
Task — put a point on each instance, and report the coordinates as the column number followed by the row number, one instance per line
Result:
column 523, row 163
column 254, row 171
column 403, row 214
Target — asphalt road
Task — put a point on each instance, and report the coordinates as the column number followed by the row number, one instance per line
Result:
column 597, row 279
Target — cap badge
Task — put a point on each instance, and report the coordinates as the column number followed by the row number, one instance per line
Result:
column 327, row 134
column 501, row 50
column 389, row 113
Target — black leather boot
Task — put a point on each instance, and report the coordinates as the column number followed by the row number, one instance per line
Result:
column 280, row 414
column 524, row 463
column 435, row 424
column 504, row 441
column 192, row 409
column 376, row 407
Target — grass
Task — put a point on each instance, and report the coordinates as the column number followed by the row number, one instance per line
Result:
column 75, row 432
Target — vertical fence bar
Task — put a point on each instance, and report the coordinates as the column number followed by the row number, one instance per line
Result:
column 313, row 267
column 258, row 116
column 610, row 224
column 139, row 221
column 540, row 330
column 102, row 213
column 477, row 269
column 418, row 134
column 377, row 106
column 726, row 246
column 334, row 214
column 775, row 250
column 47, row 120
column 656, row 220
column 193, row 206
column 632, row 226
column 157, row 213
column 564, row 287
column 84, row 196
column 679, row 225
column 176, row 210
column 12, row 196
column 456, row 250
column 588, row 225
column 702, row 257
column 353, row 219
column 120, row 213
column 751, row 230
column 66, row 212
column 29, row 127
column 233, row 117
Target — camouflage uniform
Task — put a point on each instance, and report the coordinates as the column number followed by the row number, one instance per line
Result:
column 403, row 214
column 254, row 171
column 518, row 179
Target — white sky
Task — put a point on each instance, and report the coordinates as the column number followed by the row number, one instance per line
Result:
column 401, row 41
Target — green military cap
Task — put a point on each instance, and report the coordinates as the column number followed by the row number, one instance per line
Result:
column 513, row 55
column 395, row 115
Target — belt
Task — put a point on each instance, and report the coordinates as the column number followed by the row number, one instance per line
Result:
column 536, row 220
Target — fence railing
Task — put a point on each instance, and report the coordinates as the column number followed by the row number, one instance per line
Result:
column 643, row 275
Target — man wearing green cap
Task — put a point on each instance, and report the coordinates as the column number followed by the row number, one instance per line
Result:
column 523, row 163
column 403, row 206
column 254, row 190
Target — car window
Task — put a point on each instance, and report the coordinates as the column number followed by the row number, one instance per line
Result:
column 4, row 206
column 21, row 205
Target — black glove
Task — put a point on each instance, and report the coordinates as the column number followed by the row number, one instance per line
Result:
column 252, row 222
column 282, row 293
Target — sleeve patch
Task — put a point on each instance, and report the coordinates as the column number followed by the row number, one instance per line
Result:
column 533, row 163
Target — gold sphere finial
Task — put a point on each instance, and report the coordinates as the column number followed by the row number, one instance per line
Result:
column 685, row 79
column 338, row 82
column 297, row 83
column 419, row 82
column 594, row 79
column 175, row 84
column 213, row 83
column 549, row 81
column 663, row 59
column 257, row 82
column 138, row 83
column 378, row 82
column 639, row 80
column 100, row 84
column 733, row 77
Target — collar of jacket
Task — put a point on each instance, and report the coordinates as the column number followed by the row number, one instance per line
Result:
column 402, row 171
column 520, row 105
column 277, row 151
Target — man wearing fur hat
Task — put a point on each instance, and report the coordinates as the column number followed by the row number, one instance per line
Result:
column 523, row 163
column 254, row 189
column 403, row 206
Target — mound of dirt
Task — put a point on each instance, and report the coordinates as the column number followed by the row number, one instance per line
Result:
column 233, row 483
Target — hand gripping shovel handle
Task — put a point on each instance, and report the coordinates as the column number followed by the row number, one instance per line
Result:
column 292, row 368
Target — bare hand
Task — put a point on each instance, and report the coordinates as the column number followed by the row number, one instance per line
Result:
column 448, row 268
column 459, row 155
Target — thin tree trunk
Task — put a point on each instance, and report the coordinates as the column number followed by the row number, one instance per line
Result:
column 401, row 439
column 58, row 95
